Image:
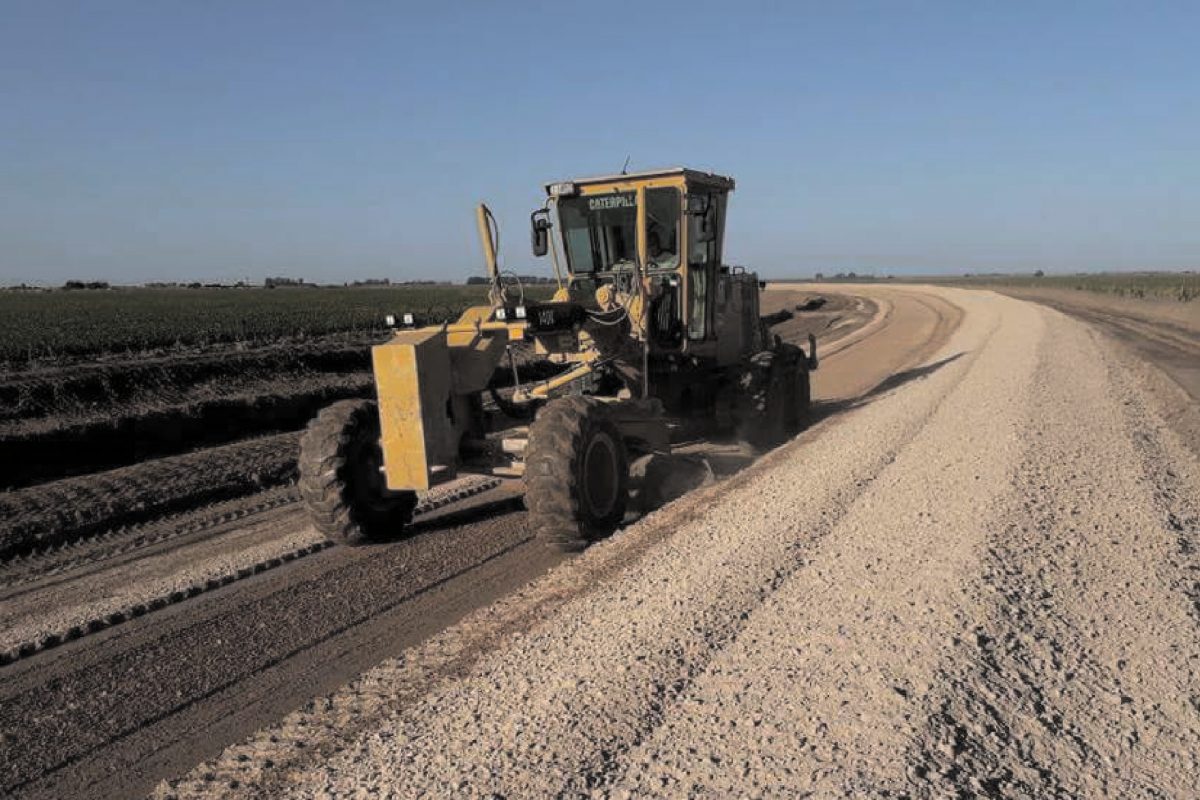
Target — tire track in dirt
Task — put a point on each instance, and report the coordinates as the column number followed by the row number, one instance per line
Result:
column 74, row 559
column 204, row 654
column 33, row 619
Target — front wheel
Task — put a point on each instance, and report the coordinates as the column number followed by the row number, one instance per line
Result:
column 341, row 479
column 576, row 473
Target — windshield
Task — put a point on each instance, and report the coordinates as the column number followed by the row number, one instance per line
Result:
column 600, row 231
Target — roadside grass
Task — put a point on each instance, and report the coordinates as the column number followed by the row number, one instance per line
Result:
column 1182, row 287
column 54, row 326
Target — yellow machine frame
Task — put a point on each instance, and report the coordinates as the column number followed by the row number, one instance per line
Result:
column 428, row 378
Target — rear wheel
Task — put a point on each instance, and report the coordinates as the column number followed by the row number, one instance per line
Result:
column 762, row 413
column 800, row 403
column 341, row 480
column 576, row 473
column 775, row 397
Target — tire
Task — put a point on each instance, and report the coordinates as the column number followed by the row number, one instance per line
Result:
column 800, row 403
column 763, row 406
column 340, row 480
column 576, row 473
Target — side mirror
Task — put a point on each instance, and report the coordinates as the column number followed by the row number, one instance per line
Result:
column 539, row 232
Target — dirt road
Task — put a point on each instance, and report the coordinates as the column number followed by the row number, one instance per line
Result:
column 981, row 581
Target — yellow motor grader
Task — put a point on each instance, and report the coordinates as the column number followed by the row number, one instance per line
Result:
column 647, row 339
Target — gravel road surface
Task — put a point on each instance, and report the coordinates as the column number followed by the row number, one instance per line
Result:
column 980, row 581
column 1160, row 332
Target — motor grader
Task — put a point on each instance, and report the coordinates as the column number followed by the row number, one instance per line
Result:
column 647, row 340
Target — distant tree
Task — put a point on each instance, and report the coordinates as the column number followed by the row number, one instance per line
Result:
column 271, row 283
column 820, row 276
column 1039, row 274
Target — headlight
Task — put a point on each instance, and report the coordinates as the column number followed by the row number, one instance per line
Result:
column 408, row 319
column 520, row 312
column 501, row 314
column 563, row 189
column 390, row 320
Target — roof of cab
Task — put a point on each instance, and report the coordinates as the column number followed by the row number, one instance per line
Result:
column 692, row 175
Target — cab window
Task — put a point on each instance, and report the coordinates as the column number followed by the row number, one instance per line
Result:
column 702, row 258
column 662, row 228
column 599, row 231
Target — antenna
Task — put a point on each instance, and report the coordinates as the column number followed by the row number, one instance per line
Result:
column 625, row 169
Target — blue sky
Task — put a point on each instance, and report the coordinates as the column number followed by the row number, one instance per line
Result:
column 218, row 141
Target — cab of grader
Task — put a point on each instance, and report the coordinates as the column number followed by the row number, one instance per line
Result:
column 647, row 339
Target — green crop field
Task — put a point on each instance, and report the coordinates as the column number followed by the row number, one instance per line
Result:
column 42, row 327
column 1178, row 286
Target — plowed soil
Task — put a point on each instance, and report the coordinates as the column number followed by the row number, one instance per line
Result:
column 62, row 422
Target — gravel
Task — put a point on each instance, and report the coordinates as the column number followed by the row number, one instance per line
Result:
column 979, row 582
